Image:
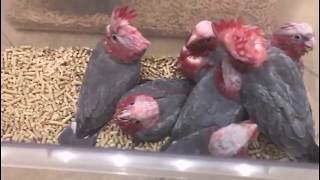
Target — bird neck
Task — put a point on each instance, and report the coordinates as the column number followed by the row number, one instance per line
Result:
column 228, row 80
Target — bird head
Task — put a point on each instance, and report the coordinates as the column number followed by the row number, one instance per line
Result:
column 245, row 43
column 123, row 41
column 201, row 40
column 233, row 140
column 136, row 113
column 189, row 64
column 296, row 39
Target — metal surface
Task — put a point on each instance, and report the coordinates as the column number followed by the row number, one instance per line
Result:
column 107, row 161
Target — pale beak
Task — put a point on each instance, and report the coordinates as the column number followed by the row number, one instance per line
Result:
column 193, row 38
column 310, row 43
column 148, row 43
column 108, row 28
column 124, row 114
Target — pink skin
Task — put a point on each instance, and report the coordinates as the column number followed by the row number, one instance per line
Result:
column 201, row 40
column 228, row 80
column 233, row 140
column 199, row 44
column 295, row 39
column 247, row 50
column 190, row 65
column 137, row 113
column 123, row 41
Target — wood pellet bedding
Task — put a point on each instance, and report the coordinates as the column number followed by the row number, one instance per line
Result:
column 39, row 90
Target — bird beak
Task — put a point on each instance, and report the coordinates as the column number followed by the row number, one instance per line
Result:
column 310, row 43
column 147, row 42
column 192, row 40
column 124, row 115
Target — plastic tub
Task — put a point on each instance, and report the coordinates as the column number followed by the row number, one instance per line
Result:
column 167, row 39
column 153, row 165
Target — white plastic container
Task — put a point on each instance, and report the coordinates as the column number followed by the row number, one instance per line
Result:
column 165, row 41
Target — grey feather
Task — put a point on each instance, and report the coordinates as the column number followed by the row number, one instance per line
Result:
column 104, row 82
column 206, row 107
column 170, row 95
column 275, row 97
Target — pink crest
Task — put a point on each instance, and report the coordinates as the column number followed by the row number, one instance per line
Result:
column 244, row 42
column 121, row 16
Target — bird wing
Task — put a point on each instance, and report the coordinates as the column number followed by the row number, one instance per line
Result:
column 275, row 97
column 104, row 82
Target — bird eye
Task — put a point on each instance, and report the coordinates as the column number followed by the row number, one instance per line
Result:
column 114, row 37
column 235, row 37
column 297, row 37
column 137, row 122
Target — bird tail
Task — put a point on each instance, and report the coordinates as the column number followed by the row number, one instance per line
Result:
column 313, row 154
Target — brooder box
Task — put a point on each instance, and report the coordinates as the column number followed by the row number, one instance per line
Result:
column 166, row 24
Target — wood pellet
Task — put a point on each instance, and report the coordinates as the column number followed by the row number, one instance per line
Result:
column 39, row 90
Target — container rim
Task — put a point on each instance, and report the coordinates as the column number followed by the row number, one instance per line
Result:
column 124, row 162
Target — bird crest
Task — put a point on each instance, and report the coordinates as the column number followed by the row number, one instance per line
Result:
column 244, row 42
column 121, row 16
